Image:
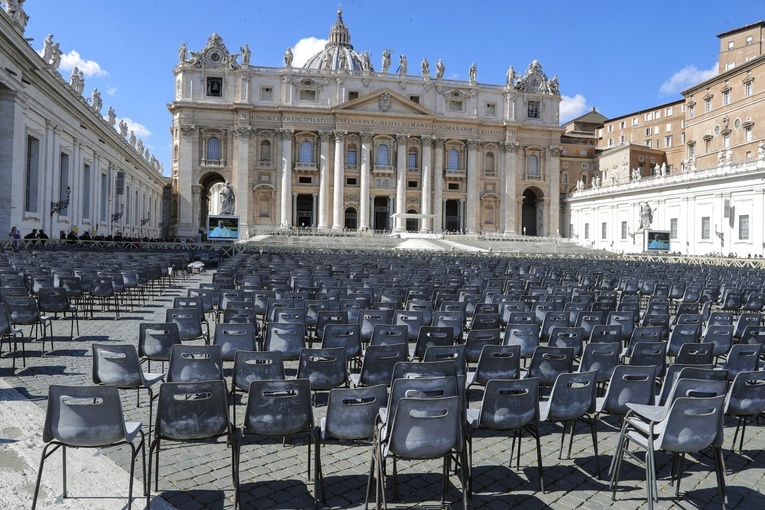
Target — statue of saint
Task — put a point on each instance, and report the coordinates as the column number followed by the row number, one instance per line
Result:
column 123, row 128
column 761, row 150
column 440, row 69
column 472, row 72
column 55, row 59
column 246, row 53
column 95, row 100
column 366, row 61
column 48, row 49
column 425, row 68
column 720, row 158
column 111, row 117
column 139, row 147
column 182, row 53
column 729, row 156
column 664, row 168
column 646, row 216
column 511, row 76
column 402, row 65
column 288, row 56
column 228, row 200
column 76, row 80
column 131, row 139
column 385, row 60
column 554, row 86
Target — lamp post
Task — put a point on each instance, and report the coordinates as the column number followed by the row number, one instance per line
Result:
column 57, row 207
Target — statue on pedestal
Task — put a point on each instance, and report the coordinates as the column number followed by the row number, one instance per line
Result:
column 76, row 80
column 385, row 60
column 472, row 72
column 229, row 199
column 440, row 69
column 111, row 117
column 246, row 54
column 425, row 68
column 95, row 100
column 288, row 56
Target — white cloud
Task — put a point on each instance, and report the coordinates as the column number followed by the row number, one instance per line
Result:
column 139, row 130
column 305, row 49
column 572, row 107
column 687, row 77
column 89, row 68
column 111, row 91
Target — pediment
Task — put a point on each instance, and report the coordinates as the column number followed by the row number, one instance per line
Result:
column 384, row 101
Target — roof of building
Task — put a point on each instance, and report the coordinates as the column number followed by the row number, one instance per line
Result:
column 338, row 53
column 591, row 117
column 745, row 27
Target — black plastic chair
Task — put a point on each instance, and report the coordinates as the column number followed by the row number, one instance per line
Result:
column 189, row 323
column 9, row 333
column 253, row 366
column 88, row 417
column 323, row 368
column 378, row 363
column 23, row 311
column 745, row 400
column 431, row 335
column 289, row 339
column 55, row 300
column 156, row 340
column 234, row 337
column 192, row 363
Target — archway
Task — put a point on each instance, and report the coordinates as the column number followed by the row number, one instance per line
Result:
column 304, row 217
column 351, row 221
column 452, row 216
column 381, row 214
column 530, row 213
column 412, row 224
column 209, row 196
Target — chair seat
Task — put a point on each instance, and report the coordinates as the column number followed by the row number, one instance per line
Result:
column 151, row 378
column 132, row 429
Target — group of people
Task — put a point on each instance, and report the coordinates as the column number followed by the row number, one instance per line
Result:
column 34, row 237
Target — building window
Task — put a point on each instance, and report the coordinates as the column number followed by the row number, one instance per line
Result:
column 730, row 45
column 705, row 227
column 622, row 139
column 532, row 167
column 353, row 94
column 610, row 128
column 743, row 227
column 213, row 149
column 453, row 186
column 453, row 160
column 491, row 109
column 726, row 97
column 673, row 228
column 415, row 99
column 564, row 177
column 584, row 178
column 265, row 152
column 63, row 181
column 748, row 88
column 729, row 66
column 586, row 230
column 382, row 155
column 266, row 93
column 603, row 230
column 648, row 143
column 304, row 180
column 104, row 196
column 215, row 87
column 86, row 191
column 621, row 125
column 350, row 155
column 708, row 105
column 533, row 110
column 648, row 131
column 412, row 184
column 726, row 141
column 306, row 152
column 455, row 106
column 748, row 134
column 691, row 111
column 748, row 40
column 564, row 164
column 624, row 230
column 668, row 141
column 351, row 181
column 411, row 161
column 610, row 142
column 32, row 175
column 691, row 150
column 489, row 164
column 585, row 165
column 307, row 95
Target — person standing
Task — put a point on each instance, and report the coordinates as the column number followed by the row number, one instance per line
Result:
column 42, row 236
column 14, row 236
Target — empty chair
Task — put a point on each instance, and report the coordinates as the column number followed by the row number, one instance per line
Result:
column 682, row 334
column 234, row 337
column 676, row 371
column 744, row 320
column 88, row 417
column 324, row 368
column 347, row 336
column 191, row 363
column 746, row 400
column 567, row 337
column 417, row 369
column 55, row 300
column 525, row 336
column 455, row 353
column 453, row 319
column 369, row 318
column 11, row 334
column 720, row 318
column 377, row 365
column 241, row 316
column 751, row 334
column 603, row 358
column 102, row 291
column 289, row 339
column 552, row 319
column 721, row 338
column 156, row 340
column 189, row 323
column 624, row 319
column 644, row 334
column 325, row 317
column 572, row 398
column 254, row 366
column 387, row 334
column 695, row 354
column 484, row 321
column 507, row 406
column 588, row 321
column 496, row 362
column 477, row 339
column 742, row 358
column 547, row 363
column 180, row 409
column 421, row 305
column 413, row 321
column 606, row 334
column 431, row 335
column 657, row 320
column 629, row 384
column 23, row 311
column 279, row 409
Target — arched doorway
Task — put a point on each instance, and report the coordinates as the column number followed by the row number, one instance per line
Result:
column 304, row 216
column 412, row 224
column 351, row 219
column 209, row 196
column 381, row 214
column 531, row 213
column 452, row 216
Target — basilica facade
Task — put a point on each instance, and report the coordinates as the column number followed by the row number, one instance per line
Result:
column 336, row 144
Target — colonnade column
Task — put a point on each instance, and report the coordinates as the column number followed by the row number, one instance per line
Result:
column 242, row 178
column 400, row 224
column 473, row 200
column 463, row 215
column 426, row 224
column 196, row 201
column 294, row 205
column 314, row 211
column 509, row 193
column 337, row 199
column 553, row 157
column 285, row 218
column 323, row 179
column 389, row 224
column 366, row 139
column 371, row 210
column 185, row 165
column 75, row 206
column 438, row 186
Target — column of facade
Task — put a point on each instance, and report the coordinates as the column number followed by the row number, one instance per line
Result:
column 323, row 179
column 45, row 185
column 241, row 178
column 553, row 158
column 473, row 200
column 509, row 200
column 426, row 225
column 74, row 210
column 314, row 209
column 364, row 201
column 285, row 218
column 391, row 200
column 462, row 215
column 339, row 188
column 95, row 193
column 196, row 193
column 186, row 163
column 294, row 205
column 400, row 223
column 438, row 186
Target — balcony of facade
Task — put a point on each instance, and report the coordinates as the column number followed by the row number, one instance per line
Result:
column 214, row 163
column 384, row 170
column 304, row 168
column 454, row 174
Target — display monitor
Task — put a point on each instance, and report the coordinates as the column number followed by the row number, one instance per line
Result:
column 657, row 240
column 222, row 228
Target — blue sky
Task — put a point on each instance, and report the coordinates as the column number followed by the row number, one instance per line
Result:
column 616, row 56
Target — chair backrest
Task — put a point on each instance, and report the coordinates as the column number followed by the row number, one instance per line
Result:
column 477, row 339
column 453, row 319
column 751, row 335
column 22, row 309
column 742, row 358
column 431, row 386
column 324, row 368
column 347, row 336
column 278, row 408
column 675, row 372
column 190, row 302
column 416, row 369
column 746, row 396
column 156, row 340
column 624, row 319
column 572, row 395
column 188, row 411
column 256, row 366
column 189, row 321
column 324, row 317
column 525, row 336
column 589, row 320
column 116, row 364
column 629, row 384
column 84, row 416
column 432, row 335
column 455, row 353
column 351, row 412
column 567, row 337
column 691, row 353
column 287, row 338
column 682, row 334
column 720, row 336
column 547, row 363
column 241, row 316
column 722, row 318
column 553, row 319
column 426, row 428
column 387, row 334
column 509, row 404
column 191, row 363
column 369, row 318
column 744, row 320
column 692, row 424
column 234, row 337
column 605, row 334
column 413, row 321
column 601, row 357
column 498, row 362
column 53, row 299
column 379, row 360
column 485, row 321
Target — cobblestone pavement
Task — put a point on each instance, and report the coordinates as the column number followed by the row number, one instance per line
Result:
column 273, row 475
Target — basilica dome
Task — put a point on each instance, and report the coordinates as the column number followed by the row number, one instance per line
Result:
column 338, row 52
